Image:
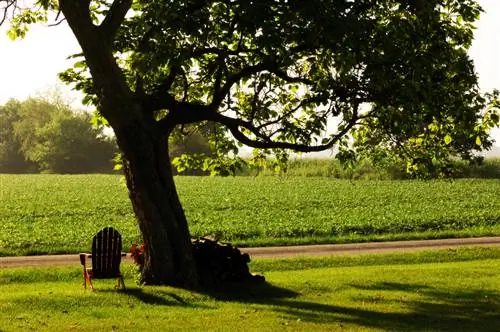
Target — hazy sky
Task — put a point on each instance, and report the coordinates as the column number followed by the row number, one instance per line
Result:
column 31, row 65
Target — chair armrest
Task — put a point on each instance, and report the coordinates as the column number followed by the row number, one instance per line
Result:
column 83, row 258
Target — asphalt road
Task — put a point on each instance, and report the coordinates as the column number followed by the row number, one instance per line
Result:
column 288, row 251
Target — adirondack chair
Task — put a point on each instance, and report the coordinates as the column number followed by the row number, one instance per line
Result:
column 106, row 257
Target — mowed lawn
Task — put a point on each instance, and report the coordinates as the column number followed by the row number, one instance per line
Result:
column 61, row 213
column 450, row 290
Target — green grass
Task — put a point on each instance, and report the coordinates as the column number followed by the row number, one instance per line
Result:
column 56, row 213
column 450, row 290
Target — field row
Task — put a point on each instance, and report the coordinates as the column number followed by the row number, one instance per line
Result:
column 57, row 213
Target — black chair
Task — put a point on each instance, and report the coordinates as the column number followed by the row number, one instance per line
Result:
column 106, row 258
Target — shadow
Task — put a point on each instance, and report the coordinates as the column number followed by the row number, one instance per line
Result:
column 435, row 310
column 156, row 297
column 392, row 286
column 396, row 306
column 423, row 317
column 261, row 292
column 470, row 310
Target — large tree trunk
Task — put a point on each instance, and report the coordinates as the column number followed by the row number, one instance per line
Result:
column 169, row 254
column 168, row 250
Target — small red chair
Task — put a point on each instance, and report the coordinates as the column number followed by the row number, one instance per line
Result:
column 106, row 258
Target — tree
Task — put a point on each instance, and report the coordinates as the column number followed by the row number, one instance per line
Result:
column 60, row 140
column 11, row 158
column 42, row 135
column 272, row 72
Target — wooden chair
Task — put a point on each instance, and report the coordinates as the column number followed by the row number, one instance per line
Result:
column 106, row 257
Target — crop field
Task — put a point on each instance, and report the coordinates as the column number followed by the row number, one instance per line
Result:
column 60, row 213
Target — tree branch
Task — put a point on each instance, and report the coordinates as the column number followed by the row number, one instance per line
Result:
column 235, row 131
column 114, row 18
column 57, row 22
column 234, row 127
column 161, row 99
column 302, row 103
column 233, row 79
column 267, row 65
column 186, row 112
column 183, row 113
column 289, row 79
column 5, row 9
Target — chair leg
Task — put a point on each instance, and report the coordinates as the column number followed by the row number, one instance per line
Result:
column 90, row 282
column 120, row 284
column 87, row 280
column 84, row 283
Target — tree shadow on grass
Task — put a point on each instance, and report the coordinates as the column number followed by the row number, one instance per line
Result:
column 437, row 309
column 259, row 292
column 433, row 310
column 156, row 297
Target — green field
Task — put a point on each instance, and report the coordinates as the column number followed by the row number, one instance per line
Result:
column 57, row 213
column 446, row 290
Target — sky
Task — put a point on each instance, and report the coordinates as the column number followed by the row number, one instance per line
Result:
column 30, row 66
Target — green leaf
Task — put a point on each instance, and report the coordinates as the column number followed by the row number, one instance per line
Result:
column 80, row 64
column 12, row 34
column 478, row 141
column 447, row 139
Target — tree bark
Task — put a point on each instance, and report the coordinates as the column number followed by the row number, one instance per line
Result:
column 168, row 251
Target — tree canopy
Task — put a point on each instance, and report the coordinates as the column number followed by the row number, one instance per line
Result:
column 276, row 74
column 39, row 135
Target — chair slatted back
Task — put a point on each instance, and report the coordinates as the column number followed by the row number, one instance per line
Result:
column 106, row 253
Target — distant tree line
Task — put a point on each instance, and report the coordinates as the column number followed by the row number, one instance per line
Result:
column 43, row 135
column 366, row 169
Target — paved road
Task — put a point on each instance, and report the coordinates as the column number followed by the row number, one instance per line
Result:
column 289, row 251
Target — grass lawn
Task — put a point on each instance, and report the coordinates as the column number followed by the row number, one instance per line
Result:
column 455, row 290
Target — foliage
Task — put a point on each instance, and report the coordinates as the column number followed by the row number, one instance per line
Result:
column 323, row 167
column 450, row 289
column 203, row 149
column 430, row 153
column 489, row 168
column 366, row 169
column 11, row 158
column 397, row 69
column 42, row 135
column 54, row 213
